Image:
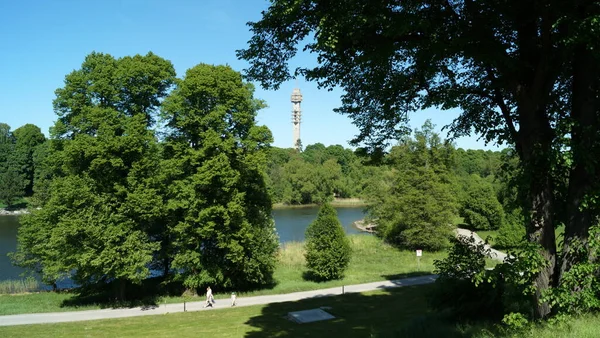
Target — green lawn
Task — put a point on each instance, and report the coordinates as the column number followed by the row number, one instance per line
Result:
column 374, row 314
column 489, row 235
column 18, row 204
column 372, row 260
column 401, row 312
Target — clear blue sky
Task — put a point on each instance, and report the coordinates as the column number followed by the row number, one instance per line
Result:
column 42, row 41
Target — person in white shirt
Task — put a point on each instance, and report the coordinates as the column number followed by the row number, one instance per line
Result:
column 209, row 298
column 233, row 297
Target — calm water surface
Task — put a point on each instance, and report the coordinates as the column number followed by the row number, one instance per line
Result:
column 290, row 223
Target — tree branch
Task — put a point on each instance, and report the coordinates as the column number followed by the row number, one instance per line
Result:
column 498, row 98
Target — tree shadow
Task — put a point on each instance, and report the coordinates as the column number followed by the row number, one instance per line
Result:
column 309, row 276
column 399, row 312
column 16, row 206
column 406, row 275
column 146, row 295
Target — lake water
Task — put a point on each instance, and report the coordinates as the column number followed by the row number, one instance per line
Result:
column 290, row 223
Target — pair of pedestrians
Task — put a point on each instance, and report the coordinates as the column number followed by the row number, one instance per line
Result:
column 210, row 300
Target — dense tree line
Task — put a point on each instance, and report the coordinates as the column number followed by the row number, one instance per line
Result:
column 427, row 187
column 316, row 174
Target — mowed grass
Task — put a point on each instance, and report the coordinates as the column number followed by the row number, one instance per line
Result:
column 372, row 260
column 373, row 314
column 400, row 312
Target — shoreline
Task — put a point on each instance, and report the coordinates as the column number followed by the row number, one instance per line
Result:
column 342, row 202
column 16, row 212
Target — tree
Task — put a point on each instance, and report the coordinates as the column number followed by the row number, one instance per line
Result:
column 95, row 225
column 521, row 72
column 27, row 139
column 11, row 185
column 218, row 203
column 481, row 208
column 327, row 247
column 413, row 205
column 11, row 180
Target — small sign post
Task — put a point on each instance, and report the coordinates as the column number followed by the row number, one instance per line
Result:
column 419, row 254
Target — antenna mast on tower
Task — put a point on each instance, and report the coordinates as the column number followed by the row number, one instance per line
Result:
column 296, row 117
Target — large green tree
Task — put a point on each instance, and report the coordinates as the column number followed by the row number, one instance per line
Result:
column 95, row 224
column 223, row 231
column 520, row 71
column 413, row 204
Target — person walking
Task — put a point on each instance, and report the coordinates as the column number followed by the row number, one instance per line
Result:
column 233, row 298
column 210, row 300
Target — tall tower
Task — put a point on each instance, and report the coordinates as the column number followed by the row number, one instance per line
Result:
column 296, row 116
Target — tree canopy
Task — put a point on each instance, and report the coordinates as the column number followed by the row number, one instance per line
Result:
column 215, row 156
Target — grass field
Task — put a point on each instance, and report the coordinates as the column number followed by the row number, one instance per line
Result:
column 401, row 312
column 396, row 312
column 372, row 260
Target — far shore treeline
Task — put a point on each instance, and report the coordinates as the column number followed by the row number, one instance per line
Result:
column 144, row 171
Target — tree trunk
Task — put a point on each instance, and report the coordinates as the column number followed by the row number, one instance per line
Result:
column 166, row 266
column 122, row 288
column 536, row 155
column 584, row 145
column 541, row 231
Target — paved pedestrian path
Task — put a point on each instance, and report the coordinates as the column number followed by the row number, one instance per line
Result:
column 494, row 254
column 74, row 316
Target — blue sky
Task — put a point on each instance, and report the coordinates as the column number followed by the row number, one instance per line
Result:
column 42, row 41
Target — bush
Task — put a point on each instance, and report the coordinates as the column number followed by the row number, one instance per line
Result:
column 579, row 288
column 481, row 209
column 512, row 233
column 327, row 247
column 462, row 288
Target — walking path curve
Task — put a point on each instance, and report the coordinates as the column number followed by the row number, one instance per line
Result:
column 74, row 316
column 494, row 254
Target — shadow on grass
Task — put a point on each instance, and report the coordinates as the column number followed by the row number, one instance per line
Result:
column 145, row 295
column 16, row 206
column 401, row 312
column 406, row 275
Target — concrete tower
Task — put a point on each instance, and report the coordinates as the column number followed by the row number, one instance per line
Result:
column 296, row 116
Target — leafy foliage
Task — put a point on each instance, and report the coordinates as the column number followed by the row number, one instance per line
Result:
column 219, row 209
column 521, row 73
column 93, row 226
column 27, row 139
column 11, row 179
column 481, row 209
column 457, row 289
column 413, row 206
column 327, row 247
column 579, row 290
column 316, row 175
column 512, row 232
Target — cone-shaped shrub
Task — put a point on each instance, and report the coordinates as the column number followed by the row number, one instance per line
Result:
column 327, row 247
